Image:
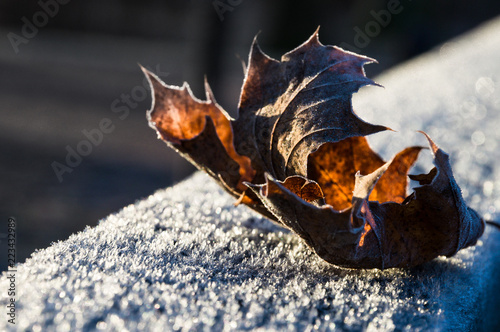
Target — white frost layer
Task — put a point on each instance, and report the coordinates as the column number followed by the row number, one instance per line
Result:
column 185, row 258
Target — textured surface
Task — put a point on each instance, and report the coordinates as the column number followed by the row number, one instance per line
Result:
column 186, row 258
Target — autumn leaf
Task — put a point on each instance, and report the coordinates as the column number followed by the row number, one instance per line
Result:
column 289, row 108
column 297, row 153
column 334, row 166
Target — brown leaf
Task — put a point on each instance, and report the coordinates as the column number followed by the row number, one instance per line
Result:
column 335, row 236
column 200, row 130
column 301, row 150
column 334, row 165
column 433, row 221
column 289, row 108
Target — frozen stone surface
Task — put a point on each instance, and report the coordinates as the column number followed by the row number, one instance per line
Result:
column 186, row 259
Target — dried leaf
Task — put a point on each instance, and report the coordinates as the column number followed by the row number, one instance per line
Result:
column 289, row 108
column 301, row 150
column 334, row 165
column 433, row 221
column 199, row 130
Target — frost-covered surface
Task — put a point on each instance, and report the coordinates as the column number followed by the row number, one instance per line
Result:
column 186, row 258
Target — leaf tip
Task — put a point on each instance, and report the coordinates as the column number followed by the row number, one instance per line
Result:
column 390, row 129
column 144, row 70
column 269, row 177
column 364, row 184
column 243, row 64
column 255, row 43
column 151, row 77
column 314, row 39
column 433, row 146
column 208, row 91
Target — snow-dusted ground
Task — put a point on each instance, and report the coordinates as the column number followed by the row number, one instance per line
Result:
column 185, row 258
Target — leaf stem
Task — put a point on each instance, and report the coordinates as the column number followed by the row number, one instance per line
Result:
column 493, row 223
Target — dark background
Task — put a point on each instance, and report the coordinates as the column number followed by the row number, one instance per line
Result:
column 67, row 76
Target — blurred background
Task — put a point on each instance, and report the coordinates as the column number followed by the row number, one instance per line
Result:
column 75, row 145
